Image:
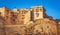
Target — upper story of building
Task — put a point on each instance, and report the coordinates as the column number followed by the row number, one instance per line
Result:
column 35, row 12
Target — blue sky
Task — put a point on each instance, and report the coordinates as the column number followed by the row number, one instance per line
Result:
column 52, row 6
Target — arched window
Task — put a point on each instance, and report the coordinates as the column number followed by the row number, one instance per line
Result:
column 37, row 14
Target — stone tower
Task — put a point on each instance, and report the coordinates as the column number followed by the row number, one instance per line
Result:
column 24, row 15
column 37, row 12
column 2, row 10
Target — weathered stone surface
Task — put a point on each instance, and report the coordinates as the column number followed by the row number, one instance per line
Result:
column 26, row 22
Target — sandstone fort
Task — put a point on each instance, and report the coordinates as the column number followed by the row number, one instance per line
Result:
column 22, row 21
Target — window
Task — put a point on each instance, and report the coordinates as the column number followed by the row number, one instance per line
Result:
column 40, row 9
column 37, row 10
column 47, row 26
column 15, row 16
column 14, row 21
column 0, row 13
column 37, row 14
